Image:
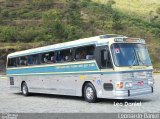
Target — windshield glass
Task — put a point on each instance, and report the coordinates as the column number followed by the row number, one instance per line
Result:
column 125, row 54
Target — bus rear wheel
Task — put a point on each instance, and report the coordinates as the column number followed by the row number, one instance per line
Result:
column 25, row 91
column 90, row 93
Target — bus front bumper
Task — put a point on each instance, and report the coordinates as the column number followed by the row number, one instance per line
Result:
column 125, row 94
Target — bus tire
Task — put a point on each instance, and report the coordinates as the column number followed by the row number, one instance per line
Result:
column 90, row 93
column 25, row 91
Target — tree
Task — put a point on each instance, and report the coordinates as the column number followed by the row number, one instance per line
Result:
column 8, row 34
column 10, row 3
column 54, row 23
column 117, row 21
column 73, row 12
column 51, row 15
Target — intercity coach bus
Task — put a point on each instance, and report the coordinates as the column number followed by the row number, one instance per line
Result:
column 106, row 66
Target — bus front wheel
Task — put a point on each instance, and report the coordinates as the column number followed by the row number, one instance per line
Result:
column 25, row 89
column 90, row 93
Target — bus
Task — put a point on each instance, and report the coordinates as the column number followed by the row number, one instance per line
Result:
column 106, row 66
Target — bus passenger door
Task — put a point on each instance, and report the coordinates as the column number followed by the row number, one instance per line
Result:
column 106, row 66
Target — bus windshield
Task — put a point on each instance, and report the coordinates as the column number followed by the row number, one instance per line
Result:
column 129, row 54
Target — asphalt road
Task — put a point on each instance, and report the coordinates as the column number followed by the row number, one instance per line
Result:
column 44, row 103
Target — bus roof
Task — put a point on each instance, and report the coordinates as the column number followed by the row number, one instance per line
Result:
column 97, row 40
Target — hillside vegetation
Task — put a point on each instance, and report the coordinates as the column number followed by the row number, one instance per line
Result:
column 142, row 8
column 42, row 22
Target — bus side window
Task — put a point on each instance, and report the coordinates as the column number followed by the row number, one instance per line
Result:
column 64, row 55
column 59, row 56
column 33, row 59
column 12, row 62
column 85, row 53
column 22, row 61
column 90, row 52
column 48, row 57
column 67, row 55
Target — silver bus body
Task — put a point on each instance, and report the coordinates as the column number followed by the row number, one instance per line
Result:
column 69, row 78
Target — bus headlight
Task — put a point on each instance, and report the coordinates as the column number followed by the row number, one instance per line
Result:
column 150, row 82
column 128, row 84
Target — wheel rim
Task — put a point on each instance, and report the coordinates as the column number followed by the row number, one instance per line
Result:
column 25, row 90
column 89, row 93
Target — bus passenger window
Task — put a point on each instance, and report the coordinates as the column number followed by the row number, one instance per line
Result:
column 48, row 57
column 33, row 59
column 67, row 54
column 80, row 55
column 12, row 62
column 64, row 56
column 53, row 58
column 59, row 56
column 85, row 53
column 22, row 61
column 90, row 53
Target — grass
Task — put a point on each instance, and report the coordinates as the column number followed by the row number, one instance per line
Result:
column 139, row 7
